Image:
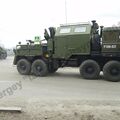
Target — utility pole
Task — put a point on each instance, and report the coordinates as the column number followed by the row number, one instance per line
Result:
column 66, row 11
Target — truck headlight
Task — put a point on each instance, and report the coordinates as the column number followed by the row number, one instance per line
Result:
column 18, row 47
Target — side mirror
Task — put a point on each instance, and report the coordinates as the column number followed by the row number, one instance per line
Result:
column 101, row 31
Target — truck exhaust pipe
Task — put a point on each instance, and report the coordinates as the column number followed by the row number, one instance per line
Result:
column 101, row 31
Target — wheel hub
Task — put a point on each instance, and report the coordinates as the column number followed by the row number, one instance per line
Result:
column 115, row 71
column 89, row 70
column 22, row 66
column 38, row 68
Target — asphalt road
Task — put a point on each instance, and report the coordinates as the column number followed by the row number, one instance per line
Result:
column 60, row 96
column 66, row 83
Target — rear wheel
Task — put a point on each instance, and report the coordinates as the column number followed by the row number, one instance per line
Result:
column 39, row 68
column 90, row 69
column 23, row 66
column 111, row 71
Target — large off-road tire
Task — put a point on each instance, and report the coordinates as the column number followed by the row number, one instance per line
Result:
column 23, row 66
column 111, row 71
column 90, row 69
column 39, row 68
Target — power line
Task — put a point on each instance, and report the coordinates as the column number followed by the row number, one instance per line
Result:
column 66, row 11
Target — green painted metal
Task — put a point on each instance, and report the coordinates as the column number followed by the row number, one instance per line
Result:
column 111, row 40
column 28, row 50
column 72, row 39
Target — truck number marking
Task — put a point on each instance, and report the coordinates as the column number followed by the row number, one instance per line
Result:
column 109, row 46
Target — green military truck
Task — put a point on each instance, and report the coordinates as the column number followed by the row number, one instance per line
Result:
column 91, row 48
column 3, row 53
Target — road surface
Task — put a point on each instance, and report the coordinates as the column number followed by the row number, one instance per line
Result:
column 66, row 86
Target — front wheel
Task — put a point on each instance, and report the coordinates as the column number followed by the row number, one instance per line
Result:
column 39, row 68
column 23, row 66
column 111, row 71
column 90, row 69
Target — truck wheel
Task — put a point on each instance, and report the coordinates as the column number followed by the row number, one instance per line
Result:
column 90, row 69
column 23, row 66
column 111, row 71
column 39, row 68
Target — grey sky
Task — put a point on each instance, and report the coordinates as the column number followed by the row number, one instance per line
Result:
column 24, row 19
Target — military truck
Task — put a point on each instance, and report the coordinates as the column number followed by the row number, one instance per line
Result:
column 3, row 53
column 85, row 45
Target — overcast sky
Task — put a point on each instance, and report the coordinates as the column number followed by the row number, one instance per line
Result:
column 24, row 19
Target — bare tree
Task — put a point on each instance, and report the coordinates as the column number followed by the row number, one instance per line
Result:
column 114, row 25
column 118, row 24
